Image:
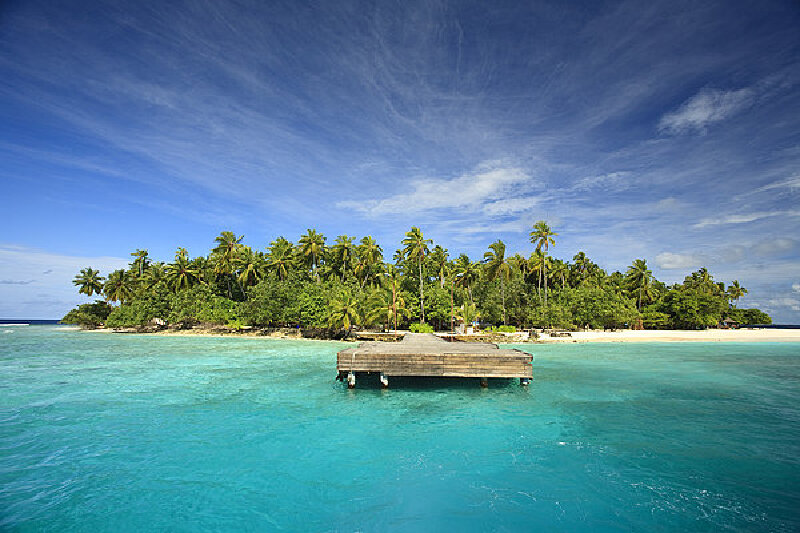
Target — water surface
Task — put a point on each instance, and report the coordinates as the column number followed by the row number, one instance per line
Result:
column 102, row 432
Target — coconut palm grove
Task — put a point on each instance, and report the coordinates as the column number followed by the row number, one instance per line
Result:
column 329, row 288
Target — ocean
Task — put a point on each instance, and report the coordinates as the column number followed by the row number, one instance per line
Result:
column 105, row 432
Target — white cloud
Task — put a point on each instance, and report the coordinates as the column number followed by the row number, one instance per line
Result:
column 612, row 180
column 745, row 217
column 785, row 302
column 788, row 183
column 670, row 261
column 490, row 186
column 667, row 204
column 704, row 108
column 506, row 227
column 508, row 206
column 772, row 247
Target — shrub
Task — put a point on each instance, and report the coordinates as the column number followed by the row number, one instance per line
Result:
column 504, row 329
column 421, row 328
column 88, row 315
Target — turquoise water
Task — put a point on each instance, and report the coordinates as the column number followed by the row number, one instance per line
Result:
column 106, row 432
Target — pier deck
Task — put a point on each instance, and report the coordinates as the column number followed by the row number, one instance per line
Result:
column 424, row 354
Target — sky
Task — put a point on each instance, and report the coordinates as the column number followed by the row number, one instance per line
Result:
column 663, row 130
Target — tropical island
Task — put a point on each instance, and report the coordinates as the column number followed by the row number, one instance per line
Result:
column 330, row 289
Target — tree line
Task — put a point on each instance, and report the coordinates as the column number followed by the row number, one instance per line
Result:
column 313, row 284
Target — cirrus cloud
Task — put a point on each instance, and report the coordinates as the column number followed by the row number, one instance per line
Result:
column 704, row 108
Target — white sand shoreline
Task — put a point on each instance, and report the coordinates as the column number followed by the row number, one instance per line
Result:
column 708, row 335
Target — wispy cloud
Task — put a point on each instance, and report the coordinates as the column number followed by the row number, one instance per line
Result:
column 675, row 261
column 705, row 108
column 612, row 180
column 746, row 217
column 484, row 187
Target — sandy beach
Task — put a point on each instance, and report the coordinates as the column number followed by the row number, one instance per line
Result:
column 709, row 335
column 672, row 335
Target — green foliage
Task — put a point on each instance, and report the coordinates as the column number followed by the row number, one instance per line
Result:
column 747, row 317
column 88, row 315
column 652, row 319
column 503, row 329
column 235, row 324
column 200, row 305
column 348, row 284
column 420, row 328
column 136, row 313
column 693, row 308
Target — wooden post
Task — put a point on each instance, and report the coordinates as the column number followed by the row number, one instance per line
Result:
column 484, row 383
column 384, row 381
column 351, row 380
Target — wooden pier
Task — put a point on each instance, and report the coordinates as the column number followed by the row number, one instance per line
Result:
column 424, row 354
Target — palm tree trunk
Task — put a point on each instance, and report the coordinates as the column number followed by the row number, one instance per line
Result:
column 314, row 266
column 452, row 324
column 544, row 269
column 421, row 292
column 503, row 294
column 394, row 307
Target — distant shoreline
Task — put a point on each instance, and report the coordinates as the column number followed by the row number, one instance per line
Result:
column 656, row 335
column 626, row 336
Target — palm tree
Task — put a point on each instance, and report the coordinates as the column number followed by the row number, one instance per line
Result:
column 204, row 267
column 248, row 264
column 118, row 286
column 736, row 291
column 89, row 282
column 312, row 246
column 639, row 278
column 468, row 313
column 182, row 274
column 582, row 265
column 385, row 307
column 343, row 312
column 392, row 278
column 370, row 257
column 542, row 237
column 343, row 253
column 467, row 273
column 498, row 267
column 280, row 257
column 536, row 264
column 141, row 261
column 416, row 245
column 439, row 258
column 519, row 264
column 154, row 274
column 224, row 255
column 559, row 270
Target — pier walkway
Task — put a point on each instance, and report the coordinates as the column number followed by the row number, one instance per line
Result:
column 424, row 354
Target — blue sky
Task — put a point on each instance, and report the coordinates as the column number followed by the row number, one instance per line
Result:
column 663, row 130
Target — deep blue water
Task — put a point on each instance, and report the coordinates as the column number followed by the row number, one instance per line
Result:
column 103, row 432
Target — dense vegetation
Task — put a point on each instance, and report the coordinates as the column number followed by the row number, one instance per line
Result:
column 311, row 284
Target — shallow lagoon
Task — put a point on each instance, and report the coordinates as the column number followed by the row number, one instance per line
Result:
column 103, row 432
